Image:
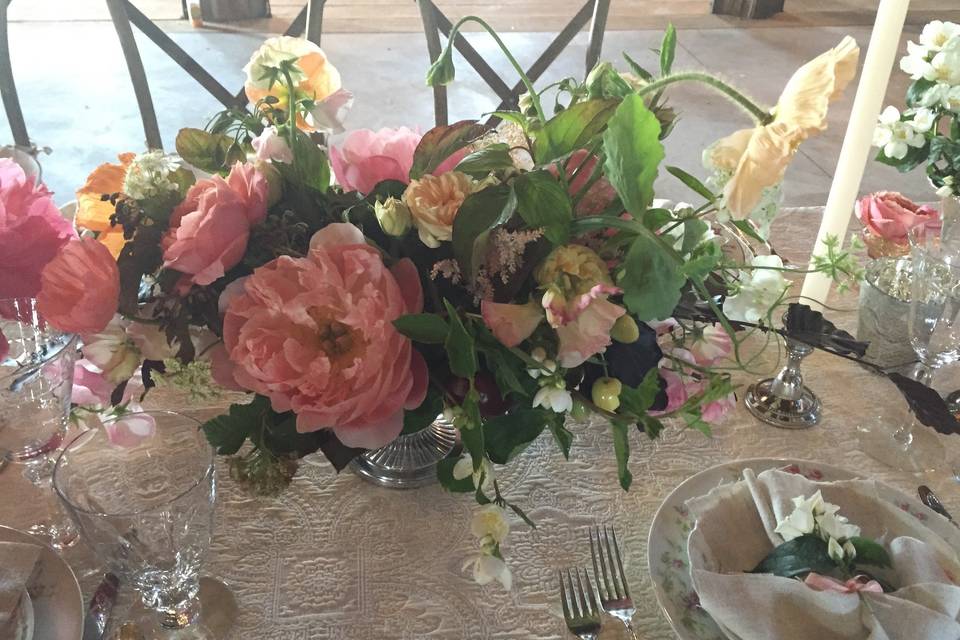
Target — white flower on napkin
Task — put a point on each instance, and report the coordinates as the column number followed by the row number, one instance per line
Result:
column 836, row 526
column 803, row 519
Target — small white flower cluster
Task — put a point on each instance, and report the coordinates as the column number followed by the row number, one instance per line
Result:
column 936, row 58
column 897, row 133
column 553, row 392
column 760, row 290
column 491, row 527
column 813, row 516
column 149, row 175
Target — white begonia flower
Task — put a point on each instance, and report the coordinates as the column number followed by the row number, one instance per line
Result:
column 836, row 526
column 835, row 551
column 802, row 521
column 923, row 120
column 557, row 399
column 759, row 290
column 894, row 136
column 915, row 63
column 487, row 568
column 937, row 34
column 490, row 520
column 463, row 469
column 849, row 550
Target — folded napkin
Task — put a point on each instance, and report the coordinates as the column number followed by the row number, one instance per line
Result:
column 19, row 564
column 734, row 532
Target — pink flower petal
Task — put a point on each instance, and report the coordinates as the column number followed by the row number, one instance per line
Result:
column 421, row 380
column 371, row 436
column 409, row 280
column 511, row 324
column 588, row 334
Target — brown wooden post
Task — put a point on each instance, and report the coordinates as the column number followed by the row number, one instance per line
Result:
column 8, row 90
column 748, row 8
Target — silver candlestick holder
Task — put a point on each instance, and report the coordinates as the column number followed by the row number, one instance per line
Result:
column 784, row 401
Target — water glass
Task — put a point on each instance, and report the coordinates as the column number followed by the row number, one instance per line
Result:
column 141, row 489
column 36, row 380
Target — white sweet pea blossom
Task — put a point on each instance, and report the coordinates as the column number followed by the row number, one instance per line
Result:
column 490, row 520
column 937, row 35
column 113, row 351
column 759, row 290
column 487, row 568
column 463, row 469
column 555, row 398
column 896, row 136
column 270, row 145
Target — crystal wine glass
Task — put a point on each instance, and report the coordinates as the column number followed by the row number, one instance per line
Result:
column 36, row 379
column 934, row 329
column 141, row 490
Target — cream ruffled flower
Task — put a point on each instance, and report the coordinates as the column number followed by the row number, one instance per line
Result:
column 759, row 157
column 434, row 202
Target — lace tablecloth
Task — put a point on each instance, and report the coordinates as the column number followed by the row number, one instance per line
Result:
column 336, row 558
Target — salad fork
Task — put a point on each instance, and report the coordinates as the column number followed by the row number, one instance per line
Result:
column 582, row 616
column 611, row 578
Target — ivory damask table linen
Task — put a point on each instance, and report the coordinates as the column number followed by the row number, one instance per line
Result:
column 334, row 558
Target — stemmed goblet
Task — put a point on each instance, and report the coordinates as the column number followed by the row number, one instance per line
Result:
column 141, row 489
column 36, row 380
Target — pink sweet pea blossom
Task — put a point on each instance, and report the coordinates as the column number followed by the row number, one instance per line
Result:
column 712, row 344
column 131, row 429
column 210, row 228
column 316, row 336
column 585, row 325
column 32, row 231
column 511, row 324
column 91, row 389
column 271, row 146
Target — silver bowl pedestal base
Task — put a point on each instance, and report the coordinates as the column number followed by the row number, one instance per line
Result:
column 784, row 401
column 410, row 461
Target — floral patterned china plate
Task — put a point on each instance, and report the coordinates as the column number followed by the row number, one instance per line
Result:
column 667, row 559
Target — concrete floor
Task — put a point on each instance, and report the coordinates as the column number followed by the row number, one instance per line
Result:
column 82, row 106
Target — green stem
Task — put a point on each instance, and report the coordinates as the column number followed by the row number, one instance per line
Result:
column 506, row 52
column 291, row 109
column 751, row 107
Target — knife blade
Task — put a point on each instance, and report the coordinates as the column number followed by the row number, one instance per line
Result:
column 101, row 604
column 929, row 498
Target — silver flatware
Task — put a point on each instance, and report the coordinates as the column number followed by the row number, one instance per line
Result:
column 611, row 578
column 929, row 498
column 101, row 604
column 580, row 611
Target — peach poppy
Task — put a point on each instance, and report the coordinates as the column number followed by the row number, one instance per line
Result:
column 93, row 213
column 759, row 157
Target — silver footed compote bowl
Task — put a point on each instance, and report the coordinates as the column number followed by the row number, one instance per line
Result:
column 934, row 330
column 141, row 489
column 36, row 380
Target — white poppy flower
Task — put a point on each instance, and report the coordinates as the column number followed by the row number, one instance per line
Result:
column 759, row 290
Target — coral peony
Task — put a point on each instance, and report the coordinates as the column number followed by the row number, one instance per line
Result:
column 32, row 231
column 366, row 158
column 316, row 336
column 210, row 228
column 890, row 216
column 80, row 288
column 434, row 202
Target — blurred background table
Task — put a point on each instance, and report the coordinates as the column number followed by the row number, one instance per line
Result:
column 336, row 558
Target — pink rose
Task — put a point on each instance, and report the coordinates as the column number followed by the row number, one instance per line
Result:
column 511, row 324
column 316, row 336
column 891, row 216
column 80, row 288
column 32, row 231
column 600, row 194
column 210, row 228
column 367, row 158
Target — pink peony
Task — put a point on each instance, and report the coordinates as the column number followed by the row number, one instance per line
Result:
column 80, row 287
column 210, row 228
column 316, row 336
column 367, row 158
column 600, row 194
column 511, row 324
column 891, row 216
column 32, row 231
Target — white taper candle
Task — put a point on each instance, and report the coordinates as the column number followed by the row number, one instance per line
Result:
column 881, row 54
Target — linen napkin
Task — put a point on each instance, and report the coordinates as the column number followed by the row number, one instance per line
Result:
column 18, row 567
column 735, row 532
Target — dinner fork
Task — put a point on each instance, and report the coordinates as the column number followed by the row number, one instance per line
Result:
column 611, row 578
column 581, row 615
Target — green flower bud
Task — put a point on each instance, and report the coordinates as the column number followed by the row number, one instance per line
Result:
column 393, row 216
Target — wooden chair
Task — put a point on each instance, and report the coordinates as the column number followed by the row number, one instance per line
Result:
column 8, row 89
column 123, row 14
column 435, row 23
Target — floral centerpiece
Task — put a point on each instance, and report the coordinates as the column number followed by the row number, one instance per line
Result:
column 506, row 278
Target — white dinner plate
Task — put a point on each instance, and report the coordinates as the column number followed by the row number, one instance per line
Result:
column 667, row 559
column 56, row 599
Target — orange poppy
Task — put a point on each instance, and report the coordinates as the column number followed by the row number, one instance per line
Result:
column 93, row 213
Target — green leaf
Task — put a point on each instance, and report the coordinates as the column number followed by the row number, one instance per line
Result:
column 428, row 328
column 448, row 482
column 637, row 69
column 702, row 261
column 651, row 280
column 423, row 416
column 479, row 213
column 513, row 116
column 228, row 432
column 562, row 435
column 508, row 435
column 310, row 163
column 210, row 152
column 693, row 182
column 604, row 81
column 543, row 202
column 656, row 219
column 634, row 152
column 747, row 229
column 480, row 163
column 693, row 232
column 668, row 50
column 637, row 400
column 572, row 129
column 440, row 143
column 461, row 354
column 870, row 552
column 917, row 90
column 621, row 447
column 797, row 557
column 651, row 426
